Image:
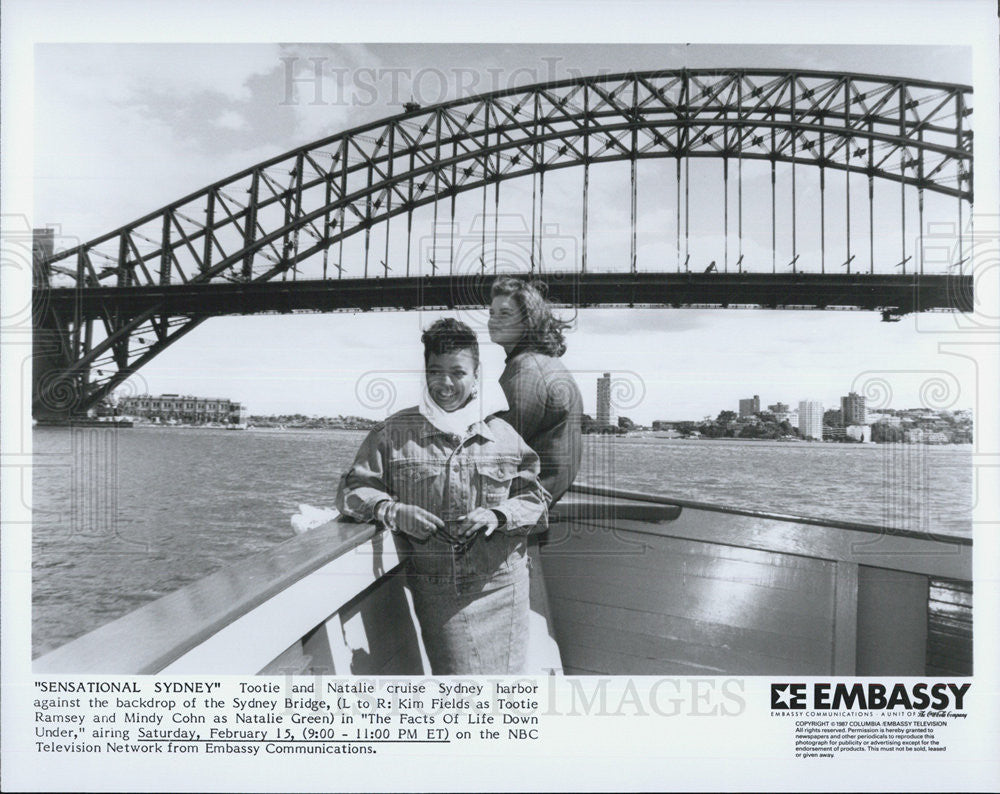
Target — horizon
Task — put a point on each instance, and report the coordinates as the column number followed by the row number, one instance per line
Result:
column 793, row 407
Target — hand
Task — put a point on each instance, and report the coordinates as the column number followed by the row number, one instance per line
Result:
column 417, row 522
column 480, row 518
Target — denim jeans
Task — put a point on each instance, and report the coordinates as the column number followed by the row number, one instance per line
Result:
column 475, row 625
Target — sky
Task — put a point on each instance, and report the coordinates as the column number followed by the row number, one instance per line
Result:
column 122, row 129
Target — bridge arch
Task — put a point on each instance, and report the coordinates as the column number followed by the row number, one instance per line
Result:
column 300, row 204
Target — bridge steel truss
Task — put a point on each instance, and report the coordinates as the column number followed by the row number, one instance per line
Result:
column 263, row 222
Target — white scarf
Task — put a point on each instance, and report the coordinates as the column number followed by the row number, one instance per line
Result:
column 460, row 420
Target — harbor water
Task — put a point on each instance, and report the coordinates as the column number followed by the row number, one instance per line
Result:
column 122, row 517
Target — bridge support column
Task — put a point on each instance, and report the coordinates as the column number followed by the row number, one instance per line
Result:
column 53, row 396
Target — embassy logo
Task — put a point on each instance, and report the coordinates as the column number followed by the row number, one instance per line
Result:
column 869, row 697
column 788, row 696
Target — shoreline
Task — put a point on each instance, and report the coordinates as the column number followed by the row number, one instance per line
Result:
column 644, row 435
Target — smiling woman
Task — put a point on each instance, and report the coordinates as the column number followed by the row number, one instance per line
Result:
column 451, row 377
column 459, row 489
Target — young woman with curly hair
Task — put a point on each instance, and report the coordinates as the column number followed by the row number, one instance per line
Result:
column 545, row 403
column 546, row 409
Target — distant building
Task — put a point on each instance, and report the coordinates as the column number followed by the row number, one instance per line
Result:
column 852, row 409
column 183, row 408
column 605, row 412
column 920, row 436
column 780, row 410
column 811, row 419
column 834, row 433
column 749, row 406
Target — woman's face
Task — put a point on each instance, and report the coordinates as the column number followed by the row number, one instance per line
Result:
column 451, row 378
column 506, row 321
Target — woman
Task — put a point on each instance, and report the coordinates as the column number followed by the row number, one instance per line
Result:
column 546, row 409
column 460, row 489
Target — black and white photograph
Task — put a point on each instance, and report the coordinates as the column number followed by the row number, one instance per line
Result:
column 412, row 395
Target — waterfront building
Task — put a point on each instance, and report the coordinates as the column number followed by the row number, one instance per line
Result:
column 852, row 409
column 605, row 411
column 749, row 406
column 811, row 419
column 887, row 419
column 921, row 436
column 834, row 433
column 183, row 408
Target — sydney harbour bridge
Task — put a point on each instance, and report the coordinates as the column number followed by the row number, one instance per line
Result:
column 820, row 187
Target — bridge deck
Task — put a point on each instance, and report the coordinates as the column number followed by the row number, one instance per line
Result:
column 898, row 293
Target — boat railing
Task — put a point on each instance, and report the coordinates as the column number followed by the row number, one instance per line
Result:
column 718, row 589
column 333, row 600
column 216, row 623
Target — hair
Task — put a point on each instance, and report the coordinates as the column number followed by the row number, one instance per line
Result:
column 448, row 335
column 543, row 330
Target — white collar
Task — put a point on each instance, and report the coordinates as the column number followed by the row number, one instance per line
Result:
column 459, row 421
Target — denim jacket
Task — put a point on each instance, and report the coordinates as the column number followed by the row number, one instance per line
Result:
column 547, row 410
column 407, row 459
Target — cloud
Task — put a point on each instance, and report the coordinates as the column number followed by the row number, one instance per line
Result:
column 124, row 129
column 325, row 87
column 231, row 120
column 123, row 73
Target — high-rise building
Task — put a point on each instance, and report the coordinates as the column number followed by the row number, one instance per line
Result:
column 811, row 419
column 605, row 413
column 749, row 406
column 852, row 409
